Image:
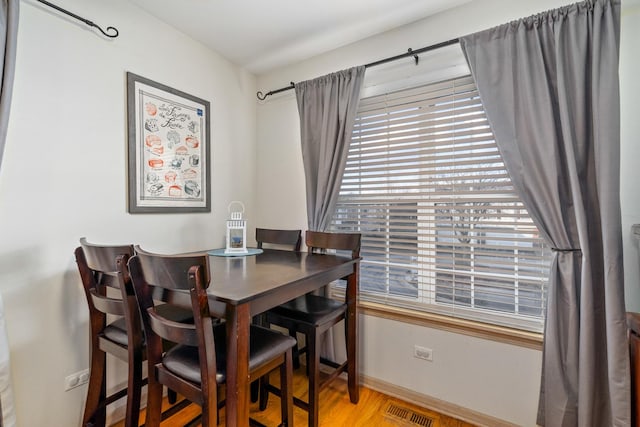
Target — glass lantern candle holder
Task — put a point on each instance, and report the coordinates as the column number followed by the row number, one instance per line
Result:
column 236, row 230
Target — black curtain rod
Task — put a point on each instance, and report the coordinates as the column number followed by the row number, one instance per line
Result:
column 79, row 18
column 410, row 52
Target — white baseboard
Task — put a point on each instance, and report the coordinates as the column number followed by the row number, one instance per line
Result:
column 428, row 402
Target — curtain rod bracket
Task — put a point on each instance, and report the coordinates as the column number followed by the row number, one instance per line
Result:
column 111, row 32
column 415, row 57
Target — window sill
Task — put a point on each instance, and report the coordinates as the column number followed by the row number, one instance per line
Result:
column 501, row 334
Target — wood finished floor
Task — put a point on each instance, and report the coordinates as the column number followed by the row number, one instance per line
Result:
column 335, row 409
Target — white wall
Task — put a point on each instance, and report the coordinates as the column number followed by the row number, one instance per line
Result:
column 64, row 176
column 488, row 377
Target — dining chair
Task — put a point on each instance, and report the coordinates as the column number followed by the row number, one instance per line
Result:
column 121, row 338
column 109, row 291
column 276, row 239
column 291, row 239
column 196, row 365
column 313, row 315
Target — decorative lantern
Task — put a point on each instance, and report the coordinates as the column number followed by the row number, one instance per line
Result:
column 236, row 231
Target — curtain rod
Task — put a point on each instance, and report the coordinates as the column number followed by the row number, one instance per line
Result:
column 79, row 18
column 410, row 52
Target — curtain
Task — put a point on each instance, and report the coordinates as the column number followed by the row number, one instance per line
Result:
column 327, row 107
column 549, row 85
column 9, row 11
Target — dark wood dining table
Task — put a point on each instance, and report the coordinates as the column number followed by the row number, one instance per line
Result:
column 242, row 287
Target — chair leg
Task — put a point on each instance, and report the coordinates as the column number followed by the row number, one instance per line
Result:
column 313, row 362
column 264, row 391
column 296, row 354
column 255, row 391
column 154, row 403
column 94, row 413
column 210, row 407
column 172, row 396
column 134, row 391
column 286, row 389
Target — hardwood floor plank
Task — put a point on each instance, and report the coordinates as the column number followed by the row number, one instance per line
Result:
column 335, row 409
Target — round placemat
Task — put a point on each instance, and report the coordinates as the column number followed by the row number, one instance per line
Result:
column 220, row 252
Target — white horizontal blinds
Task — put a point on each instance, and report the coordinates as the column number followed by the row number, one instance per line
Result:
column 442, row 227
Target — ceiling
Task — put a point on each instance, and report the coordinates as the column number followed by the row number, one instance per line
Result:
column 262, row 35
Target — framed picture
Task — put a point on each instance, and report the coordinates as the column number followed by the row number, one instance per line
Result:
column 169, row 149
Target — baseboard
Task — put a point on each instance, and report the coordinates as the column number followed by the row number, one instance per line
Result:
column 428, row 402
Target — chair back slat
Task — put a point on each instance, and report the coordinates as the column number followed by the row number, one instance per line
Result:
column 107, row 304
column 318, row 241
column 169, row 272
column 103, row 258
column 290, row 238
column 180, row 333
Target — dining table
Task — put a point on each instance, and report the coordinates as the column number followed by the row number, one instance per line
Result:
column 242, row 287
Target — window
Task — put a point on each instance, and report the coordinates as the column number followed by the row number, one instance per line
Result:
column 442, row 227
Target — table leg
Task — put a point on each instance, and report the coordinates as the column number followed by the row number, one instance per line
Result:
column 237, row 406
column 352, row 336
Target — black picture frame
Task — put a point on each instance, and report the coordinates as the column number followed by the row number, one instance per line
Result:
column 169, row 149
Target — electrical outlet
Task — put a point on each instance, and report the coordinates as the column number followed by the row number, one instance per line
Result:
column 75, row 380
column 423, row 353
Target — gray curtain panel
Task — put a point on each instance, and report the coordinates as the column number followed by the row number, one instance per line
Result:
column 327, row 107
column 9, row 12
column 549, row 85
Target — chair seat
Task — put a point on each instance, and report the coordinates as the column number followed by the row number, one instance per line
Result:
column 264, row 345
column 116, row 331
column 311, row 309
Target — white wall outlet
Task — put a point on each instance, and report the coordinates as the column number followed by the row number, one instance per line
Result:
column 75, row 380
column 423, row 353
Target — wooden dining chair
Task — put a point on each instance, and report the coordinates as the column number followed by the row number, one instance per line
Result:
column 291, row 239
column 312, row 315
column 109, row 291
column 196, row 366
column 121, row 338
column 276, row 239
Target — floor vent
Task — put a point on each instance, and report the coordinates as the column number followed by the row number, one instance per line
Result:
column 408, row 416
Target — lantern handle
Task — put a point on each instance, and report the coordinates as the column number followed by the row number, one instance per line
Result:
column 235, row 202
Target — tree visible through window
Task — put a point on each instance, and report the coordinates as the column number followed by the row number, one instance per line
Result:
column 442, row 227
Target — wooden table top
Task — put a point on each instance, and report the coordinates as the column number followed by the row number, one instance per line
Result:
column 238, row 280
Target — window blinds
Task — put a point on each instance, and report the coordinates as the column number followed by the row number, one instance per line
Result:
column 442, row 227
